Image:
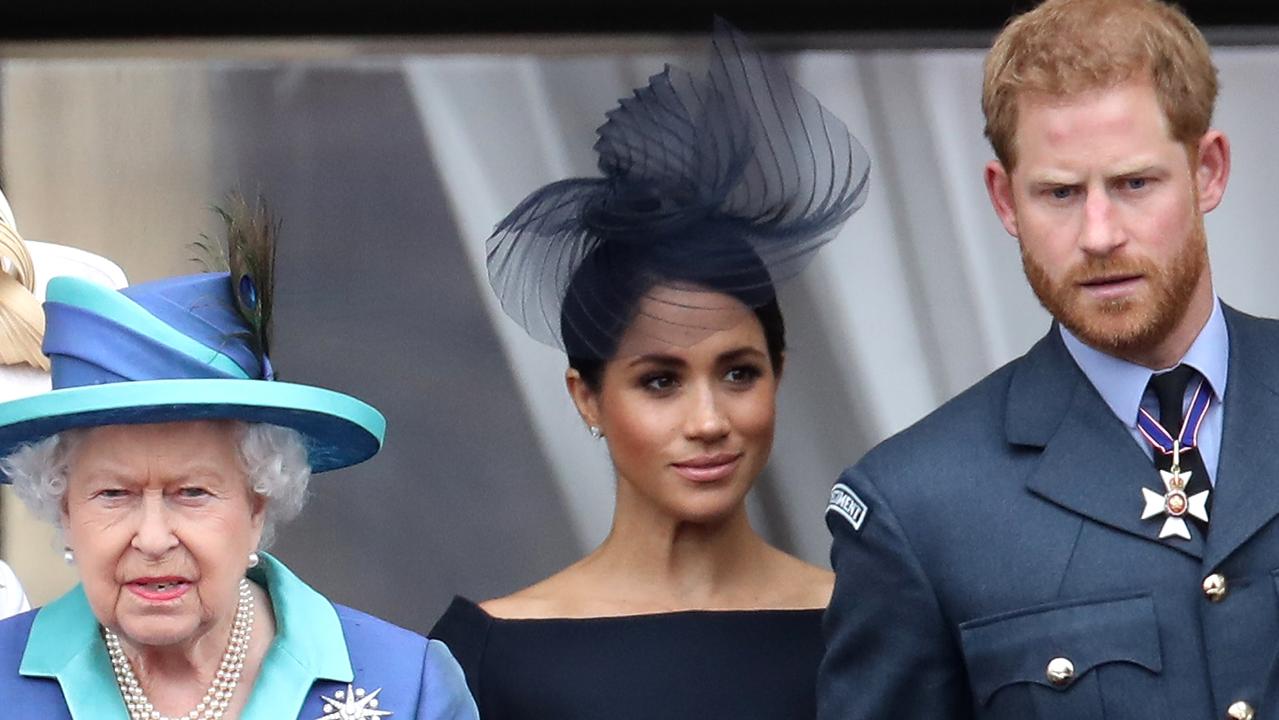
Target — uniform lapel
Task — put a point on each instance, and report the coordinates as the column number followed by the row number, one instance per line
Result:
column 1089, row 463
column 1246, row 491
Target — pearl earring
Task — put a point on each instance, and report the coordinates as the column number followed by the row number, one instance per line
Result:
column 596, row 432
column 254, row 559
column 68, row 557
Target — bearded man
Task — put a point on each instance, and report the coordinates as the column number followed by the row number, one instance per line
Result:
column 1088, row 532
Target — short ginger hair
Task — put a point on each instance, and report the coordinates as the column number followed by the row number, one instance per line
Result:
column 1066, row 47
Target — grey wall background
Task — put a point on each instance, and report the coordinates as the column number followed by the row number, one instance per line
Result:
column 372, row 302
column 390, row 168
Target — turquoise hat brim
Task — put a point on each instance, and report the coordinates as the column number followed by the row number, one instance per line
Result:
column 339, row 429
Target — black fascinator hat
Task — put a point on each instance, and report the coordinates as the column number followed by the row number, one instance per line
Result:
column 725, row 182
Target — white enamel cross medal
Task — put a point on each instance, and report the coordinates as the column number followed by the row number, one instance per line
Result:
column 1174, row 502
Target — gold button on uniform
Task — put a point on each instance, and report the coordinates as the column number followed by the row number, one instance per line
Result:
column 1060, row 671
column 1215, row 588
column 1240, row 711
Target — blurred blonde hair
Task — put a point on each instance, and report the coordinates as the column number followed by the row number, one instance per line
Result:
column 21, row 317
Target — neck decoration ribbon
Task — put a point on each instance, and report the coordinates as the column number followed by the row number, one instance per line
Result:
column 1175, row 502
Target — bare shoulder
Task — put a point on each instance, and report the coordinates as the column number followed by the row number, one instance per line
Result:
column 819, row 583
column 547, row 599
column 801, row 584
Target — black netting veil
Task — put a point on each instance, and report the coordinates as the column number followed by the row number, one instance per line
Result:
column 725, row 182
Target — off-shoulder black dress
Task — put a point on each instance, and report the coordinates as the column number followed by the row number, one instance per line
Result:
column 739, row 665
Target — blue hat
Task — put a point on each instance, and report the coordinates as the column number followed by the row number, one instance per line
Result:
column 173, row 350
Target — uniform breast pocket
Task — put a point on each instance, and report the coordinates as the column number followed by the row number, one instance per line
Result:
column 1074, row 660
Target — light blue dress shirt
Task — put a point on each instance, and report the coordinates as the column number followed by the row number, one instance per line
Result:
column 1122, row 384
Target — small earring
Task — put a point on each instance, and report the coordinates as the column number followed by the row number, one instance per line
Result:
column 68, row 556
column 254, row 559
column 596, row 432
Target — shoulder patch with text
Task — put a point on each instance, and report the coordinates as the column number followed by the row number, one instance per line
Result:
column 845, row 503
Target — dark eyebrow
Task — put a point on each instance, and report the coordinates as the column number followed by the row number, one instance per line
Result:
column 746, row 351
column 656, row 359
column 742, row 353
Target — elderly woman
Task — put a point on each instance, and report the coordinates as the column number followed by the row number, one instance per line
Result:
column 167, row 457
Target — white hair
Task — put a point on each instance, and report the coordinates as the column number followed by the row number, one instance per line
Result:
column 274, row 459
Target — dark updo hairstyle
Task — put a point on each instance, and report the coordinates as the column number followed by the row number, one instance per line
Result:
column 606, row 290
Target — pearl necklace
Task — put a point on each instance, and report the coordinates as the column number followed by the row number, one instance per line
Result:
column 218, row 696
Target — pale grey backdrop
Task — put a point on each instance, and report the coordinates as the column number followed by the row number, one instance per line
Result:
column 390, row 168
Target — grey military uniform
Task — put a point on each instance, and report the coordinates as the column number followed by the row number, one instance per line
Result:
column 998, row 566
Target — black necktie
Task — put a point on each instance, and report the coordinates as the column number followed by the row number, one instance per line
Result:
column 1170, row 391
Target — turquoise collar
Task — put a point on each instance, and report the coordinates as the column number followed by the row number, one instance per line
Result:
column 65, row 644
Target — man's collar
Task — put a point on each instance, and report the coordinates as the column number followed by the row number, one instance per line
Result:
column 1121, row 383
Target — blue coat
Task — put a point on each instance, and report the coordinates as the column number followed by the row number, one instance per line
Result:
column 1003, row 531
column 54, row 665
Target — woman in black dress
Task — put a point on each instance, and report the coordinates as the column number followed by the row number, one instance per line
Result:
column 657, row 280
